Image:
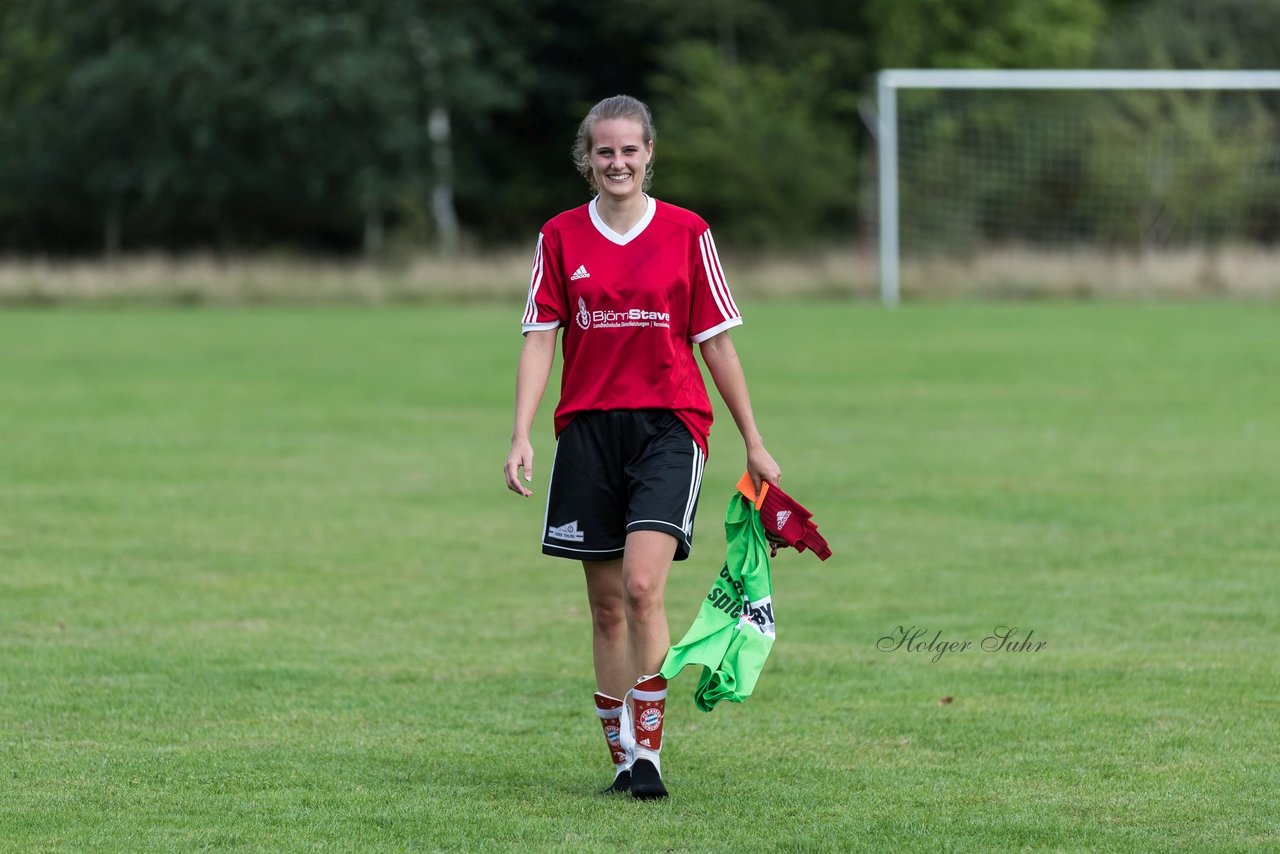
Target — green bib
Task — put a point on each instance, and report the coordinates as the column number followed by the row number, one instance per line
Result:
column 734, row 631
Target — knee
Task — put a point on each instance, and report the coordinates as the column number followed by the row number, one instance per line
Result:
column 608, row 618
column 643, row 595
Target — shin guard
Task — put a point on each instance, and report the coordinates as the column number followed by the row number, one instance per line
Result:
column 648, row 707
column 613, row 716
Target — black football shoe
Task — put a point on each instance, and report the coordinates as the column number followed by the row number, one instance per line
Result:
column 621, row 784
column 646, row 782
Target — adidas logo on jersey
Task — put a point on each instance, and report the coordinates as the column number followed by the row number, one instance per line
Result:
column 580, row 273
column 567, row 531
column 783, row 516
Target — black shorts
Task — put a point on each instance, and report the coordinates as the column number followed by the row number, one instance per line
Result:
column 620, row 471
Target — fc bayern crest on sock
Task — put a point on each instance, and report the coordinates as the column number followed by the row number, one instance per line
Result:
column 649, row 699
column 610, row 711
column 651, row 719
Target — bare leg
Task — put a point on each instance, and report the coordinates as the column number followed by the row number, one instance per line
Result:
column 629, row 633
column 645, row 565
column 608, row 626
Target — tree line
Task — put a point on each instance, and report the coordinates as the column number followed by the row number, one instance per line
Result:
column 363, row 125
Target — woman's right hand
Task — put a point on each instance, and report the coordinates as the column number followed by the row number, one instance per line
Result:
column 521, row 457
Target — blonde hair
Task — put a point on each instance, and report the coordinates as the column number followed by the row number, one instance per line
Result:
column 617, row 107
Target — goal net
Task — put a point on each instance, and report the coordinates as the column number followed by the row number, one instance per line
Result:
column 1080, row 190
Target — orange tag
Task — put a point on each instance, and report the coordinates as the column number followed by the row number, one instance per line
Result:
column 747, row 488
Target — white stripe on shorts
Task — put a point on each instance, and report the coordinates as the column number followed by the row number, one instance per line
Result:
column 672, row 525
column 695, row 483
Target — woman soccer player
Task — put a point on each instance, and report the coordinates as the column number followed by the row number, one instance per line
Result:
column 634, row 283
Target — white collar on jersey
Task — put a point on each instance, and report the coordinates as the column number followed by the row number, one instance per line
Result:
column 623, row 239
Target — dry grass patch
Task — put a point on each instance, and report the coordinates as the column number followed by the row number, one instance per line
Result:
column 501, row 276
column 1239, row 271
column 1018, row 273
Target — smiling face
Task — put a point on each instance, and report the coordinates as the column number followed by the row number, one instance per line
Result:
column 618, row 157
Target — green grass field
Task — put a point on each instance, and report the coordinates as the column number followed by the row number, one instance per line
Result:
column 261, row 587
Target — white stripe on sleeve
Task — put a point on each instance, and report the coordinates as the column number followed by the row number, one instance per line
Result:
column 706, row 248
column 531, row 305
column 724, row 283
column 716, row 330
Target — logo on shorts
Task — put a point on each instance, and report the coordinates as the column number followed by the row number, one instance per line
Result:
column 568, row 532
column 650, row 719
column 584, row 316
column 783, row 516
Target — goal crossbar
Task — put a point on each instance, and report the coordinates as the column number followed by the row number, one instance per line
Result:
column 889, row 81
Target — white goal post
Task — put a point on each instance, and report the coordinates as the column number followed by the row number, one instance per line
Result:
column 891, row 80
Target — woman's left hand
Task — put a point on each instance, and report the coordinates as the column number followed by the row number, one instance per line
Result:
column 761, row 467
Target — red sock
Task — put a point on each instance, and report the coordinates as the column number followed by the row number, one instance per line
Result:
column 648, row 704
column 609, row 710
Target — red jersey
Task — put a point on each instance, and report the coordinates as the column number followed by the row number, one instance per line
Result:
column 632, row 307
